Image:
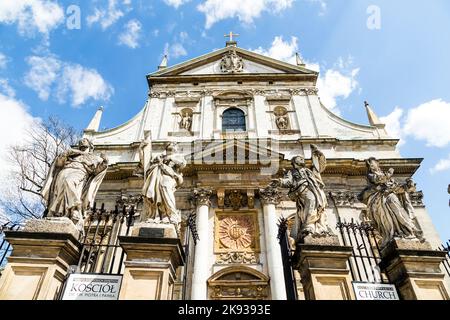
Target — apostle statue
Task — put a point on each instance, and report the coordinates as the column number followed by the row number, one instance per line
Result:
column 282, row 122
column 186, row 121
column 306, row 188
column 162, row 179
column 388, row 204
column 73, row 181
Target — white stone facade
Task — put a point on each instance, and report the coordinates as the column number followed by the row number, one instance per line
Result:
column 200, row 88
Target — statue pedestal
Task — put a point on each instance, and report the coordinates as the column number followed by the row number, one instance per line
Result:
column 41, row 256
column 415, row 270
column 322, row 263
column 154, row 253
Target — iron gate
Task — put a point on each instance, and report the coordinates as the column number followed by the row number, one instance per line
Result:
column 287, row 256
column 5, row 247
column 365, row 259
column 446, row 262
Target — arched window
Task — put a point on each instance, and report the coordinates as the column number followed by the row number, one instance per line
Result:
column 233, row 119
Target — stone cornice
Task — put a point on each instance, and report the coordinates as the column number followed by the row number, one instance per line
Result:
column 346, row 167
column 231, row 77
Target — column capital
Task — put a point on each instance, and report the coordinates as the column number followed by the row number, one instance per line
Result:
column 201, row 197
column 270, row 195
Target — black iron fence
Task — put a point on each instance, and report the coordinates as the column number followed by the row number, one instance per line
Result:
column 101, row 252
column 287, row 255
column 446, row 262
column 5, row 247
column 365, row 259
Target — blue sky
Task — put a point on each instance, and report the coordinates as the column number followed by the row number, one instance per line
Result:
column 401, row 68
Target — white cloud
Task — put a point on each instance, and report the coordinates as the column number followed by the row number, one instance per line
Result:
column 281, row 50
column 3, row 61
column 109, row 15
column 335, row 83
column 32, row 15
column 49, row 75
column 393, row 126
column 429, row 122
column 130, row 36
column 14, row 123
column 82, row 84
column 245, row 10
column 442, row 165
column 42, row 74
column 175, row 3
column 322, row 4
column 175, row 50
column 6, row 89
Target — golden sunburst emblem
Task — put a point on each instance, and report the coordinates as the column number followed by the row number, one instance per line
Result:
column 236, row 233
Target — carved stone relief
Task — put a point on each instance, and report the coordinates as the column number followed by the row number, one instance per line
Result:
column 236, row 232
column 238, row 257
column 231, row 63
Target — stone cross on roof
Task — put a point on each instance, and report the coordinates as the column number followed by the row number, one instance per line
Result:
column 231, row 42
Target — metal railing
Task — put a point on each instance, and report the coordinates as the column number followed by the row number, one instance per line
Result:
column 365, row 259
column 287, row 255
column 101, row 252
column 5, row 247
column 446, row 262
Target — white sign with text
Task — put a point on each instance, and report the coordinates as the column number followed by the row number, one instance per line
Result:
column 92, row 287
column 375, row 291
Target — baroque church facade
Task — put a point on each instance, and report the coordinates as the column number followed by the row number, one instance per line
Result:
column 239, row 118
column 240, row 122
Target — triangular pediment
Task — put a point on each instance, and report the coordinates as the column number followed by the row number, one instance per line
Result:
column 241, row 61
column 233, row 151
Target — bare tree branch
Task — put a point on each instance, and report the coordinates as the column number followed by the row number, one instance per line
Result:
column 32, row 161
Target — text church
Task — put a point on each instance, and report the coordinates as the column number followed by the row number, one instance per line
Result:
column 233, row 181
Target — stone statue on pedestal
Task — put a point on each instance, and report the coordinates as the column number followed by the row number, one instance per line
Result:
column 163, row 177
column 73, row 181
column 388, row 204
column 186, row 121
column 282, row 122
column 306, row 188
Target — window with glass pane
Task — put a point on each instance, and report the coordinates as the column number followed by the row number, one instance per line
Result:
column 233, row 120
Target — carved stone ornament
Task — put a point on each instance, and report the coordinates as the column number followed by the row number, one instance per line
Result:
column 235, row 199
column 237, row 257
column 258, row 92
column 128, row 201
column 312, row 91
column 201, row 197
column 154, row 94
column 231, row 63
column 270, row 195
column 417, row 199
column 297, row 92
column 236, row 233
column 258, row 292
column 344, row 198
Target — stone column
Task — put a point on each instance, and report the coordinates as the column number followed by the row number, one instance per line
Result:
column 269, row 198
column 322, row 263
column 154, row 252
column 201, row 267
column 41, row 256
column 415, row 270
